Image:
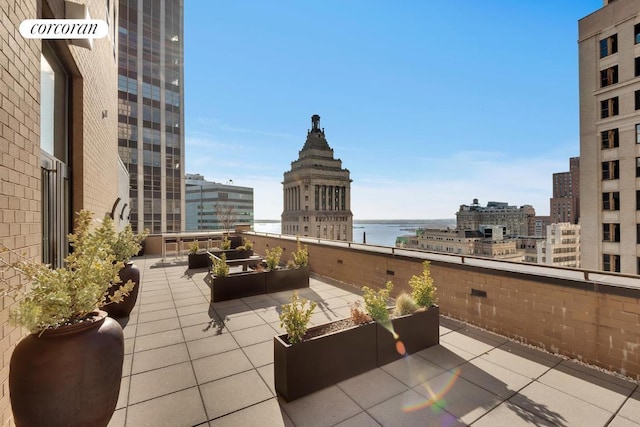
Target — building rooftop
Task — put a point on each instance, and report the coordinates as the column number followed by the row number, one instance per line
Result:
column 192, row 363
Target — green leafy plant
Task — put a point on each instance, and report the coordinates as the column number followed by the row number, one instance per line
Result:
column 248, row 244
column 376, row 302
column 272, row 257
column 125, row 243
column 358, row 316
column 194, row 247
column 423, row 290
column 226, row 243
column 300, row 256
column 295, row 317
column 220, row 267
column 405, row 305
column 66, row 295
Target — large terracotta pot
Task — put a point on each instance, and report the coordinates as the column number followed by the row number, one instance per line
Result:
column 123, row 309
column 68, row 376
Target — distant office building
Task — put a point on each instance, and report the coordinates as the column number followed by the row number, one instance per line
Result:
column 317, row 191
column 517, row 221
column 487, row 242
column 215, row 206
column 561, row 246
column 565, row 203
column 609, row 55
column 150, row 111
column 540, row 228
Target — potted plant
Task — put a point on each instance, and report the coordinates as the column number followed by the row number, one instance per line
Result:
column 197, row 258
column 309, row 360
column 225, row 286
column 68, row 370
column 339, row 350
column 246, row 250
column 416, row 321
column 124, row 245
column 295, row 276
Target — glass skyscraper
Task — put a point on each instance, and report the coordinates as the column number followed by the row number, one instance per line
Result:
column 150, row 111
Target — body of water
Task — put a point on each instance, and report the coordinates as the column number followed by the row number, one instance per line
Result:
column 377, row 232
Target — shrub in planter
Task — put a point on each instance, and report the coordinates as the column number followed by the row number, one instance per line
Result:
column 272, row 257
column 325, row 356
column 68, row 371
column 195, row 259
column 295, row 276
column 416, row 321
column 295, row 316
column 300, row 256
column 220, row 267
column 423, row 290
column 376, row 302
column 124, row 244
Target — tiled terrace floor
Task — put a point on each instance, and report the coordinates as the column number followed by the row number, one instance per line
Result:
column 189, row 363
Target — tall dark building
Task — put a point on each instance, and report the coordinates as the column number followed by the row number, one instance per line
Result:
column 565, row 203
column 150, row 111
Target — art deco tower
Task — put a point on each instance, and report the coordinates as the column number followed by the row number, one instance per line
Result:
column 317, row 191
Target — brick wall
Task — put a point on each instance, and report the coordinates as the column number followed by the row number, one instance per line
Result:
column 591, row 321
column 19, row 162
column 94, row 141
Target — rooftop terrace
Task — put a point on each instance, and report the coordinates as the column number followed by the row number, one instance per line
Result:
column 192, row 363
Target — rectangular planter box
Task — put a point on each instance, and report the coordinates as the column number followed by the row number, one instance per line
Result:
column 237, row 286
column 416, row 332
column 199, row 260
column 311, row 365
column 287, row 279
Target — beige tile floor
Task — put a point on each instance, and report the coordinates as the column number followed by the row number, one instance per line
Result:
column 192, row 363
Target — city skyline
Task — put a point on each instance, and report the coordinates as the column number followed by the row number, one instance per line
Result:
column 428, row 106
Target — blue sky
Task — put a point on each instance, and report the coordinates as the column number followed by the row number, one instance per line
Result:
column 429, row 104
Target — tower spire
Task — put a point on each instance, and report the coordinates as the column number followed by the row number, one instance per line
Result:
column 315, row 123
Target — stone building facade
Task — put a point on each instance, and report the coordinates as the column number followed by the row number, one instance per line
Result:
column 561, row 247
column 518, row 221
column 317, row 191
column 609, row 72
column 58, row 138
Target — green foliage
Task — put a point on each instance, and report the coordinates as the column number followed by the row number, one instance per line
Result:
column 66, row 295
column 295, row 316
column 220, row 267
column 300, row 256
column 124, row 244
column 376, row 302
column 248, row 244
column 423, row 290
column 272, row 257
column 226, row 243
column 405, row 305
column 194, row 247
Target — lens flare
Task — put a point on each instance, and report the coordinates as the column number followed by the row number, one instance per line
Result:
column 436, row 397
column 400, row 348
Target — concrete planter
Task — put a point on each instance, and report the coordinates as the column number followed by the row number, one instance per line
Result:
column 287, row 279
column 311, row 365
